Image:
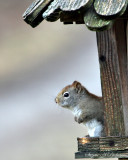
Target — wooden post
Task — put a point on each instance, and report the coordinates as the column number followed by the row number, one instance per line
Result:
column 112, row 49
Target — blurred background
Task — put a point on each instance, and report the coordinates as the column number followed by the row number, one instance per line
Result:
column 35, row 64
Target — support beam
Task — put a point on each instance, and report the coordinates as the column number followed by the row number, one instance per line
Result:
column 112, row 49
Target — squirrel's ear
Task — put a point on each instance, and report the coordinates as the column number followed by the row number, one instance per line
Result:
column 77, row 86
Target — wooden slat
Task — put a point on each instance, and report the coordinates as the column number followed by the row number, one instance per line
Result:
column 111, row 81
column 33, row 15
column 88, row 144
column 111, row 143
column 110, row 7
column 102, row 143
column 95, row 22
column 73, row 5
column 109, row 147
column 102, row 154
column 121, row 39
column 125, row 142
column 66, row 6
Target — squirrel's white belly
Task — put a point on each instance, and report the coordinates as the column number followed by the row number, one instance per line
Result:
column 94, row 128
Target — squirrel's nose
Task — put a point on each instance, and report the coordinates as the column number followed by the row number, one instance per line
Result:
column 56, row 100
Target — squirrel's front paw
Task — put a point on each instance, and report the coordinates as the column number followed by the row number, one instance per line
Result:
column 78, row 119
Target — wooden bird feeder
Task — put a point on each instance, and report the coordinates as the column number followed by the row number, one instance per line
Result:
column 109, row 19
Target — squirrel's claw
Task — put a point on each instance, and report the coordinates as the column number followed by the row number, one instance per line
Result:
column 79, row 120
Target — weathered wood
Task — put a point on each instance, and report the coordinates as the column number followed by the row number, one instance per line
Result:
column 67, row 5
column 33, row 15
column 102, row 144
column 110, row 7
column 78, row 11
column 121, row 39
column 102, row 154
column 108, row 49
column 113, row 143
column 109, row 147
column 66, row 9
column 95, row 22
column 70, row 17
column 88, row 144
column 53, row 16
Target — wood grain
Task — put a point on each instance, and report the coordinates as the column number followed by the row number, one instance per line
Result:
column 33, row 14
column 102, row 154
column 102, row 147
column 108, row 49
column 102, row 143
column 121, row 39
column 66, row 6
column 95, row 22
column 110, row 7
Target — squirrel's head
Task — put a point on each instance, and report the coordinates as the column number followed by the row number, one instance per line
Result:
column 70, row 95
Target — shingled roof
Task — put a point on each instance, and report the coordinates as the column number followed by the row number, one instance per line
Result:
column 96, row 14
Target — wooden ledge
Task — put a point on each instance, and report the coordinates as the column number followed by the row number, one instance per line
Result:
column 102, row 147
column 101, row 154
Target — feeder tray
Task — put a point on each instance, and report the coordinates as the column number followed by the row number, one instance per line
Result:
column 103, row 147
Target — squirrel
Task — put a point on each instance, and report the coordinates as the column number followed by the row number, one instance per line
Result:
column 86, row 107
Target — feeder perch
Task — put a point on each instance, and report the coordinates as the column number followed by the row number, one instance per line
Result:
column 109, row 19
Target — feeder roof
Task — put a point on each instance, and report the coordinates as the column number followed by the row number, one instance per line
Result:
column 96, row 14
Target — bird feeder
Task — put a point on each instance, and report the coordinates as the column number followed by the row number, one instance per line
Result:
column 109, row 19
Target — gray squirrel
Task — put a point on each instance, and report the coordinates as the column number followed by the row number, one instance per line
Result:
column 86, row 107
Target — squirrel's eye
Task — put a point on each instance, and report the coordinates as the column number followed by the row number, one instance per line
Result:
column 66, row 94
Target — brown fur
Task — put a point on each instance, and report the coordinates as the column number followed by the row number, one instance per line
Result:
column 89, row 105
